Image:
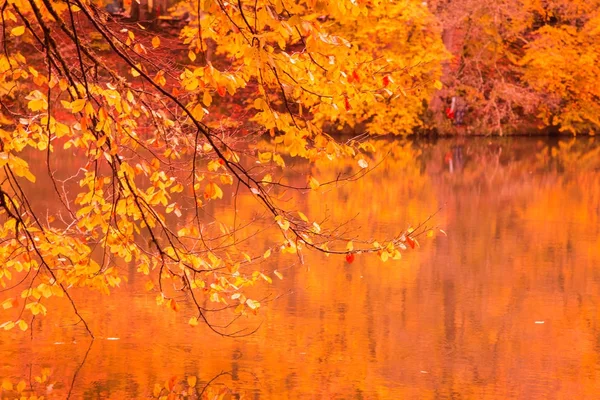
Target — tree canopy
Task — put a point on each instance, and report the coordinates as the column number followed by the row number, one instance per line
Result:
column 523, row 64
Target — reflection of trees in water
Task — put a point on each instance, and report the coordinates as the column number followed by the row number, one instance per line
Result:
column 456, row 318
column 526, row 231
column 489, row 164
column 47, row 383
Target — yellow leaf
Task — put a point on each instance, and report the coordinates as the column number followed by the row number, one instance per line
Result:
column 207, row 99
column 18, row 30
column 278, row 160
column 267, row 178
column 278, row 274
column 267, row 253
column 191, row 381
column 264, row 157
column 134, row 73
column 10, row 16
column 261, row 104
column 438, row 85
column 192, row 56
column 21, row 386
column 77, row 105
column 283, row 223
column 316, row 228
column 313, row 183
column 350, row 246
column 149, row 286
column 193, row 322
column 252, row 304
column 302, row 216
column 22, row 325
column 266, row 278
column 384, row 256
column 212, row 191
column 37, row 104
column 29, row 176
column 7, row 385
column 155, row 42
column 430, row 233
column 198, row 112
column 8, row 303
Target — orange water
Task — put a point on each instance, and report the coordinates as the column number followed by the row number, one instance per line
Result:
column 506, row 306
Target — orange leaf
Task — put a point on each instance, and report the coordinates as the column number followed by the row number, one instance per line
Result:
column 410, row 242
column 212, row 191
column 171, row 383
column 173, row 304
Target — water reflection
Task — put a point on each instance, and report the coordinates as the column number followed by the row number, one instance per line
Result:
column 506, row 306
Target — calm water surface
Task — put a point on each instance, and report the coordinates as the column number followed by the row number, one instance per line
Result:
column 506, row 306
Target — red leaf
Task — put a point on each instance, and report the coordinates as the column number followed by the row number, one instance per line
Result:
column 386, row 81
column 171, row 383
column 173, row 304
column 355, row 76
column 410, row 242
column 350, row 258
column 448, row 157
column 221, row 90
column 347, row 104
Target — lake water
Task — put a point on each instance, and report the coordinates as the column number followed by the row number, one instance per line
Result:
column 506, row 306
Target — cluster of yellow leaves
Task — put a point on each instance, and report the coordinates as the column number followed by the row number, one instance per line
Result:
column 321, row 65
column 398, row 54
column 20, row 390
column 147, row 164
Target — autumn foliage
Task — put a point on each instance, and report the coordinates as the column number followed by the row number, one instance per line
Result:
column 162, row 128
column 159, row 135
column 521, row 65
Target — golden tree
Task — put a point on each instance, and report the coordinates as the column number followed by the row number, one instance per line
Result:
column 522, row 64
